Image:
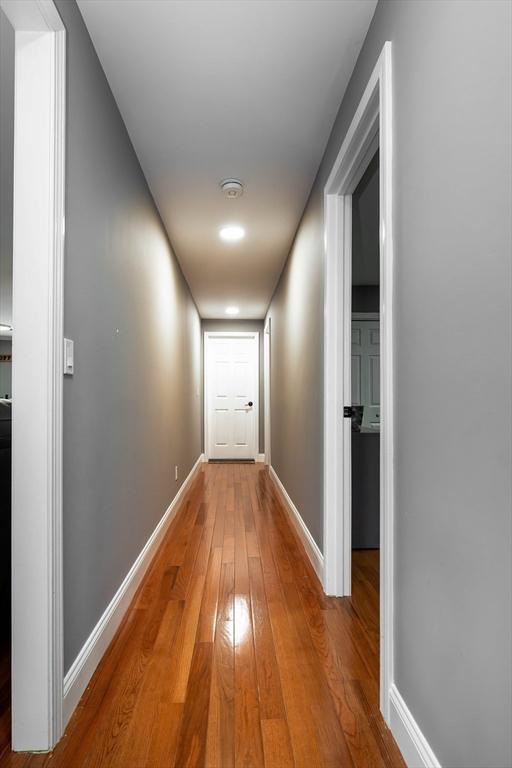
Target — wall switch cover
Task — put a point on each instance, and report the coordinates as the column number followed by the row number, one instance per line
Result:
column 69, row 357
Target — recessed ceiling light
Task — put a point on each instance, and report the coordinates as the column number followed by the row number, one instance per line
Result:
column 232, row 310
column 232, row 233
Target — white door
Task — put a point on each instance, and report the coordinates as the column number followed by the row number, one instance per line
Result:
column 231, row 395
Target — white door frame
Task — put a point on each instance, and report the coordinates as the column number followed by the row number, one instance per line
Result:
column 266, row 389
column 371, row 128
column 207, row 336
column 38, row 256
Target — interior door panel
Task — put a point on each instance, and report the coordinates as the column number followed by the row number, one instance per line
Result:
column 231, row 367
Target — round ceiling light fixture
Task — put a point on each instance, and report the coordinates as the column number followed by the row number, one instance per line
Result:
column 232, row 310
column 232, row 188
column 231, row 233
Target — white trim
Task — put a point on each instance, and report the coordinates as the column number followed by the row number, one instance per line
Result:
column 38, row 258
column 260, row 458
column 370, row 127
column 32, row 15
column 267, row 352
column 312, row 550
column 82, row 669
column 255, row 335
column 413, row 745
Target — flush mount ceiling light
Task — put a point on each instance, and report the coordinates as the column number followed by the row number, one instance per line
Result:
column 232, row 188
column 232, row 233
column 232, row 310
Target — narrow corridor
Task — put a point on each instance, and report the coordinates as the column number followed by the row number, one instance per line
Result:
column 230, row 654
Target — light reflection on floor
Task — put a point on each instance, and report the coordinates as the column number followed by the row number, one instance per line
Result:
column 242, row 619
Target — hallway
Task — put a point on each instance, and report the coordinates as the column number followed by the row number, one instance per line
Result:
column 230, row 654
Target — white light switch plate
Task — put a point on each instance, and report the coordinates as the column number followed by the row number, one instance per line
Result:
column 69, row 357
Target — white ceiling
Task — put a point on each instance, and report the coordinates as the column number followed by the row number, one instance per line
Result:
column 211, row 89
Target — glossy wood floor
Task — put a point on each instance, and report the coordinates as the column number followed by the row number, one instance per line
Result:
column 230, row 654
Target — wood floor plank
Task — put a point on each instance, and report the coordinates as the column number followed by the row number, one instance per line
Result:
column 230, row 655
column 269, row 681
column 304, row 739
column 208, row 612
column 220, row 742
column 276, row 744
column 241, row 561
column 248, row 739
column 186, row 640
column 192, row 741
column 140, row 743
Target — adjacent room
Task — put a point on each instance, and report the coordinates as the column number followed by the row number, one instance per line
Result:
column 365, row 388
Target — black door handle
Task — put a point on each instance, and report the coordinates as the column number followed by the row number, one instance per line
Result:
column 249, row 403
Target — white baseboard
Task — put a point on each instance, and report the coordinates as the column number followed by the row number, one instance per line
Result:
column 414, row 747
column 313, row 552
column 82, row 669
column 260, row 458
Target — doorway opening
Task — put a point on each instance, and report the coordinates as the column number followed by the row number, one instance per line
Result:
column 369, row 132
column 364, row 455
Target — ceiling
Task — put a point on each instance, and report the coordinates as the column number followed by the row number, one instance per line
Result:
column 211, row 89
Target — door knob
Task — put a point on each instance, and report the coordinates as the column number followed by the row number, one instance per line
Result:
column 249, row 403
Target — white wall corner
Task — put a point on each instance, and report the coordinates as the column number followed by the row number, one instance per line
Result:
column 413, row 745
column 313, row 552
column 82, row 669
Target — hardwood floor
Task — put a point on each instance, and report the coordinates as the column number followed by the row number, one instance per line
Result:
column 230, row 654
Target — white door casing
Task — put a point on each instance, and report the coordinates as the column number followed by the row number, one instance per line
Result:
column 266, row 372
column 231, row 395
column 371, row 128
column 37, row 371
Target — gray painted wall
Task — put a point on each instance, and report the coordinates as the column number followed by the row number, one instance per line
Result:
column 365, row 227
column 238, row 325
column 132, row 409
column 452, row 166
column 365, row 298
column 365, row 241
column 6, row 165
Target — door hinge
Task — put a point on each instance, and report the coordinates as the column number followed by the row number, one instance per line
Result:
column 348, row 411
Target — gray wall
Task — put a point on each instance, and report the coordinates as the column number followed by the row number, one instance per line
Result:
column 365, row 227
column 365, row 298
column 6, row 165
column 238, row 325
column 365, row 241
column 452, row 166
column 132, row 409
